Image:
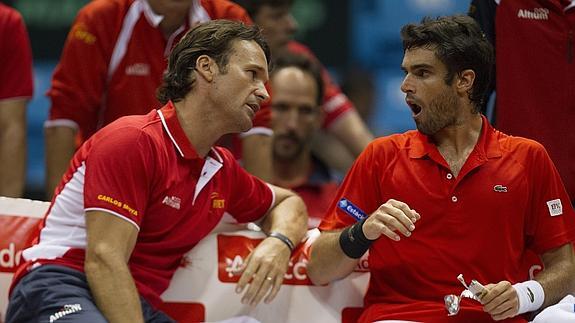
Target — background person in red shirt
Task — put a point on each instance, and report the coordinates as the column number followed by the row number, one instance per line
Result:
column 535, row 75
column 454, row 197
column 349, row 134
column 16, row 89
column 112, row 64
column 144, row 190
column 297, row 116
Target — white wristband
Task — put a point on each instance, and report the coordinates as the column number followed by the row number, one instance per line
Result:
column 530, row 294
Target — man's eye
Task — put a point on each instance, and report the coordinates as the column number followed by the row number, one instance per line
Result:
column 279, row 107
column 422, row 73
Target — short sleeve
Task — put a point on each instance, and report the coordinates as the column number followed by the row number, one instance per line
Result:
column 250, row 197
column 119, row 170
column 77, row 86
column 335, row 103
column 15, row 55
column 359, row 195
column 551, row 223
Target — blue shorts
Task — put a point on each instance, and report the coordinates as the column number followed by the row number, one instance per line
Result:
column 58, row 294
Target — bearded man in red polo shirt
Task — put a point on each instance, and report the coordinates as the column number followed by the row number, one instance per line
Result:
column 146, row 189
column 454, row 197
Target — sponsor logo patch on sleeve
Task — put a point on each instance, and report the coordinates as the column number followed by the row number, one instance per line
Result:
column 349, row 208
column 555, row 207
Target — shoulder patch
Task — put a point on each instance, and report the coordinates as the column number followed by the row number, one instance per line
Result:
column 555, row 207
column 349, row 208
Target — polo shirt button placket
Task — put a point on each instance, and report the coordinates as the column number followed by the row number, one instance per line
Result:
column 449, row 176
column 454, row 199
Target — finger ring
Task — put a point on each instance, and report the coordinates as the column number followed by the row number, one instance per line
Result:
column 269, row 278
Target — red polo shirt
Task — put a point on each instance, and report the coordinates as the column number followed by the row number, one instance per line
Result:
column 143, row 169
column 507, row 199
column 15, row 56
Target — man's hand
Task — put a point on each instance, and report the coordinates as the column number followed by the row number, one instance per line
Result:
column 390, row 217
column 500, row 301
column 265, row 268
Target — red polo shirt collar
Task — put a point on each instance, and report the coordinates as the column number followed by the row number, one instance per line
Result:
column 177, row 135
column 487, row 146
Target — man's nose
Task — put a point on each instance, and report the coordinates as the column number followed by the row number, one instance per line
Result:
column 406, row 84
column 262, row 93
column 292, row 119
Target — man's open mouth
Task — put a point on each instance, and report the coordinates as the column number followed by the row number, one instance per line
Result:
column 415, row 108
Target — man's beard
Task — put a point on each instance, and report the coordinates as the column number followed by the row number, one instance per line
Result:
column 440, row 113
column 292, row 154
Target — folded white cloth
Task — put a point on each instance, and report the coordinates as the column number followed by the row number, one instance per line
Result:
column 564, row 311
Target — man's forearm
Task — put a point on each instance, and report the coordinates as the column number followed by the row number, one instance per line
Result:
column 12, row 161
column 12, row 147
column 557, row 277
column 352, row 132
column 114, row 291
column 327, row 260
column 289, row 217
column 60, row 147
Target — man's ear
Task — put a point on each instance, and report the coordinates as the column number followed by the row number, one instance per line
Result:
column 465, row 81
column 206, row 67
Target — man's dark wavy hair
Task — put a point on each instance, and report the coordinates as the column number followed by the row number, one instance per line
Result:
column 215, row 39
column 458, row 43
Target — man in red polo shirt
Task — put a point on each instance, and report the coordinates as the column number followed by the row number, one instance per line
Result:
column 297, row 88
column 146, row 189
column 112, row 64
column 535, row 74
column 454, row 197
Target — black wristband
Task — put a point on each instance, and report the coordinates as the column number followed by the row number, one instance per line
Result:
column 284, row 239
column 353, row 242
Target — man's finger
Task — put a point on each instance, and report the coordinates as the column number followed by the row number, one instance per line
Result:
column 508, row 312
column 275, row 289
column 385, row 230
column 411, row 214
column 396, row 219
column 494, row 292
column 247, row 275
column 267, row 282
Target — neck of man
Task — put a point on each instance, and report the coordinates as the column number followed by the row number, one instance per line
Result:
column 193, row 120
column 173, row 17
column 171, row 23
column 292, row 173
column 457, row 141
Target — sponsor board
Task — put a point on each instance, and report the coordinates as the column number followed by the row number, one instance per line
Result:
column 13, row 237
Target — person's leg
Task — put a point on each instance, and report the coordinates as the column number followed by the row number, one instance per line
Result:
column 152, row 315
column 53, row 294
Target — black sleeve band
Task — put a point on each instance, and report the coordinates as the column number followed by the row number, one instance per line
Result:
column 284, row 239
column 353, row 242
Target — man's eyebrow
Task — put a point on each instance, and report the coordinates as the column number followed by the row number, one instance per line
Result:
column 256, row 66
column 417, row 66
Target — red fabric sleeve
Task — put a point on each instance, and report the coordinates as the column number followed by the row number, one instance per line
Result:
column 80, row 77
column 360, row 188
column 552, row 221
column 250, row 197
column 119, row 174
column 15, row 56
